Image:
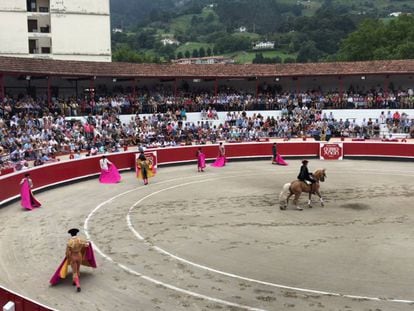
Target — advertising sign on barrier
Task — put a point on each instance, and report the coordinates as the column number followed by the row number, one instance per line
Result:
column 331, row 151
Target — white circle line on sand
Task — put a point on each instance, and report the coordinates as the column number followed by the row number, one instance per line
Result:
column 160, row 250
column 150, row 279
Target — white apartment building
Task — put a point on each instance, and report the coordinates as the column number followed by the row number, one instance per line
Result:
column 56, row 29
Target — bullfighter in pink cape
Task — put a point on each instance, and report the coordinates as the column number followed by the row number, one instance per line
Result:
column 78, row 252
column 201, row 160
column 221, row 159
column 28, row 201
column 109, row 172
column 276, row 157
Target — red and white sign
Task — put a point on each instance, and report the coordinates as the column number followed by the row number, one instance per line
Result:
column 331, row 151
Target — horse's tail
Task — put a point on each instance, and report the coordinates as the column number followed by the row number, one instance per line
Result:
column 283, row 194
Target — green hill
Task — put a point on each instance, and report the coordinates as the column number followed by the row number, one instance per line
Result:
column 301, row 30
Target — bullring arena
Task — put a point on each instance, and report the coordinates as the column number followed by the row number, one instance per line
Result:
column 217, row 240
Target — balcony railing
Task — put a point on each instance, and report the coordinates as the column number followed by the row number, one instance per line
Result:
column 42, row 50
column 44, row 30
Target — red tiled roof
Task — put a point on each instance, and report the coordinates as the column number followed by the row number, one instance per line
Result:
column 12, row 65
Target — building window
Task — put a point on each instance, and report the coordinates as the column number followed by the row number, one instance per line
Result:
column 45, row 50
column 32, row 46
column 32, row 25
column 31, row 6
column 45, row 29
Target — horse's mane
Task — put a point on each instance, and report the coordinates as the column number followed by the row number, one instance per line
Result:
column 319, row 172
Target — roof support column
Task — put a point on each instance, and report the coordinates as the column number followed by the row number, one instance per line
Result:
column 134, row 87
column 386, row 85
column 76, row 89
column 2, row 87
column 92, row 93
column 341, row 91
column 49, row 91
column 297, row 87
column 175, row 90
column 257, row 88
column 215, row 87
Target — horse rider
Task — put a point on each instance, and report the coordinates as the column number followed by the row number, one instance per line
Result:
column 305, row 176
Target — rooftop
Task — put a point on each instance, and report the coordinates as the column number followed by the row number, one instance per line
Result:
column 16, row 66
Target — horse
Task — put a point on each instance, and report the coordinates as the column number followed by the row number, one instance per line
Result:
column 296, row 188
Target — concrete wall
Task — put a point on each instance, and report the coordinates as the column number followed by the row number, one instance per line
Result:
column 357, row 115
column 13, row 33
column 80, row 29
column 89, row 58
column 13, row 5
column 81, row 37
column 80, row 6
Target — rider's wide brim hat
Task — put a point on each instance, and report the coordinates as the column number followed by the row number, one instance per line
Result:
column 305, row 161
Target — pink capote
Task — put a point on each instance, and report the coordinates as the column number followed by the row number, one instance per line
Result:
column 110, row 176
column 279, row 160
column 201, row 160
column 88, row 260
column 220, row 161
column 28, row 201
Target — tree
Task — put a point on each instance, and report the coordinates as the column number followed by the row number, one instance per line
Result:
column 361, row 44
column 126, row 54
column 258, row 59
column 167, row 51
column 187, row 54
column 209, row 52
column 145, row 39
column 375, row 39
column 195, row 53
column 308, row 53
column 289, row 60
column 180, row 55
column 231, row 43
column 210, row 18
column 202, row 52
column 405, row 50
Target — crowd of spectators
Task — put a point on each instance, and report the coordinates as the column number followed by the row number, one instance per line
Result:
column 32, row 131
column 163, row 99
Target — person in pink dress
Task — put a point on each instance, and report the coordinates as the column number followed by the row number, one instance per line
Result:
column 276, row 157
column 109, row 172
column 28, row 201
column 201, row 160
column 221, row 159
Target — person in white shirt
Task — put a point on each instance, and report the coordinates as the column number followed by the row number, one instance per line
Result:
column 104, row 163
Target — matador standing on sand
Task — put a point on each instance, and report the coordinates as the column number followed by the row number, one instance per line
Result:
column 75, row 251
column 78, row 252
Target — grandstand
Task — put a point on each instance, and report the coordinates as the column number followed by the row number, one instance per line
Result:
column 82, row 106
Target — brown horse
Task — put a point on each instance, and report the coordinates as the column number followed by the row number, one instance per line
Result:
column 297, row 187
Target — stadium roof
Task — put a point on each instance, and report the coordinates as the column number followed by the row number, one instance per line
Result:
column 13, row 65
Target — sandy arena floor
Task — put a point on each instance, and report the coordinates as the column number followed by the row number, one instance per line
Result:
column 218, row 241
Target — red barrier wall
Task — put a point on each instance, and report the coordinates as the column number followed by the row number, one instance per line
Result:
column 71, row 170
column 384, row 149
column 20, row 303
column 56, row 173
